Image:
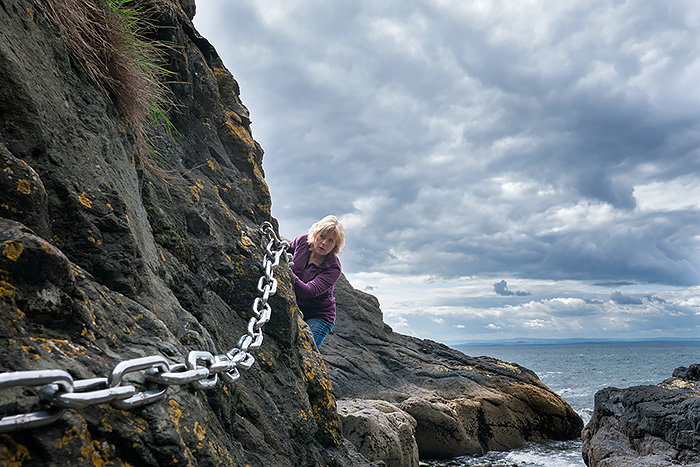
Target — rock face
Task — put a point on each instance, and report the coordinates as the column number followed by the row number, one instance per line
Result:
column 655, row 426
column 103, row 263
column 461, row 405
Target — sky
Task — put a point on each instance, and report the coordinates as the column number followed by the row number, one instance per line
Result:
column 503, row 169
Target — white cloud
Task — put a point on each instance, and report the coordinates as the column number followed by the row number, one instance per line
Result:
column 681, row 193
column 455, row 310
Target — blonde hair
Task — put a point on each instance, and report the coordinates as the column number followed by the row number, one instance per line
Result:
column 329, row 224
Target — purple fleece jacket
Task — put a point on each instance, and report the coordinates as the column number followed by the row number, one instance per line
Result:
column 313, row 285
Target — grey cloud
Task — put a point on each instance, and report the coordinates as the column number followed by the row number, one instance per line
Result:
column 612, row 284
column 622, row 299
column 657, row 299
column 417, row 136
column 501, row 288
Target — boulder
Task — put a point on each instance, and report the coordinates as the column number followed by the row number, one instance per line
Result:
column 442, row 433
column 651, row 426
column 380, row 431
column 691, row 373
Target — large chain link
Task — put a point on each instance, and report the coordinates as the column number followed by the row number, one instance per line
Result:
column 60, row 391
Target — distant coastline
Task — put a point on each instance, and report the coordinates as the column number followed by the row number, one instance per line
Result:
column 572, row 341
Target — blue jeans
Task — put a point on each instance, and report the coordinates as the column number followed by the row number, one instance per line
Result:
column 320, row 329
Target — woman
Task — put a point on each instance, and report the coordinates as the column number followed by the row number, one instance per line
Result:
column 316, row 269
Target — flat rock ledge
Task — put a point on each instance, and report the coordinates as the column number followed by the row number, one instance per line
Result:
column 650, row 426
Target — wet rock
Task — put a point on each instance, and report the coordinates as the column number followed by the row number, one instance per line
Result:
column 691, row 373
column 646, row 425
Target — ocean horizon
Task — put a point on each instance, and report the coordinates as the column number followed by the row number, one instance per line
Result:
column 576, row 369
column 569, row 341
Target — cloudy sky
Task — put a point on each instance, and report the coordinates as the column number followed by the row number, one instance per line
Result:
column 504, row 169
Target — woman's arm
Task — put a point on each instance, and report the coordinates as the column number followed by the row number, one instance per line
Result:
column 318, row 285
column 292, row 246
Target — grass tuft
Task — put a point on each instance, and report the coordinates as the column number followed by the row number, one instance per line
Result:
column 108, row 37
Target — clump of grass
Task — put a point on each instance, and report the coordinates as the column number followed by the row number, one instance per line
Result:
column 108, row 37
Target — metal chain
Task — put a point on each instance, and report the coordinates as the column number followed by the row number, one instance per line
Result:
column 60, row 391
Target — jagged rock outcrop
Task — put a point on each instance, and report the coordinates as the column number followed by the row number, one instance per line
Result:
column 648, row 426
column 461, row 405
column 101, row 262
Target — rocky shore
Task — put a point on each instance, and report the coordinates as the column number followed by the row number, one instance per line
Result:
column 649, row 426
column 103, row 263
column 388, row 384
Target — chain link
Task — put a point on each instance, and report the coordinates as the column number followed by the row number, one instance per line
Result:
column 59, row 391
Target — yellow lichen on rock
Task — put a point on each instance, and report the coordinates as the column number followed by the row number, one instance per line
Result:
column 199, row 432
column 89, row 450
column 92, row 239
column 176, row 413
column 227, row 85
column 30, row 351
column 223, row 204
column 85, row 200
column 508, row 366
column 47, row 247
column 19, row 315
column 7, row 290
column 12, row 249
column 24, row 186
column 239, row 132
column 677, row 383
column 238, row 266
column 213, row 165
column 59, row 346
column 258, row 173
column 13, row 454
column 196, row 189
column 320, row 390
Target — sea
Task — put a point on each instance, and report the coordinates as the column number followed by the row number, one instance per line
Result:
column 576, row 372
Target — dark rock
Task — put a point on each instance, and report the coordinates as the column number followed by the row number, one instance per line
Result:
column 462, row 405
column 189, row 7
column 36, row 274
column 691, row 373
column 101, row 262
column 645, row 425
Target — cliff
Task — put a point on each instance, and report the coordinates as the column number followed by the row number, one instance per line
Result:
column 120, row 264
column 106, row 265
column 650, row 426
